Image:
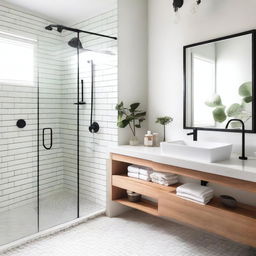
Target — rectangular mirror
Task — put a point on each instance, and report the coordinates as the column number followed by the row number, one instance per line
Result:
column 219, row 83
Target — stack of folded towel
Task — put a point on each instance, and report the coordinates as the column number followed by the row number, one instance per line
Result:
column 166, row 179
column 195, row 192
column 139, row 172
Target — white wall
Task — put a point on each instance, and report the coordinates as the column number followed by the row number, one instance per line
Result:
column 132, row 70
column 132, row 59
column 166, row 39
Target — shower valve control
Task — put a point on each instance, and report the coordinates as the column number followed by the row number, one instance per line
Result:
column 94, row 127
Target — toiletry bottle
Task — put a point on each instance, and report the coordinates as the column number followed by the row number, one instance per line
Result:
column 156, row 141
column 148, row 139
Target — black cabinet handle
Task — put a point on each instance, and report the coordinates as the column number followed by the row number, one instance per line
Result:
column 45, row 129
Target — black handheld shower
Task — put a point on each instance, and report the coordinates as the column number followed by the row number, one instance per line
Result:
column 94, row 126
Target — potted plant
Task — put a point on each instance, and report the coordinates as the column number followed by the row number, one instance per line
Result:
column 131, row 117
column 164, row 121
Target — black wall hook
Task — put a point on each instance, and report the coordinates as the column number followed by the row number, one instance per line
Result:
column 21, row 123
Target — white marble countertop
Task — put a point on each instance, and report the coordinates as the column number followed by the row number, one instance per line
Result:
column 234, row 167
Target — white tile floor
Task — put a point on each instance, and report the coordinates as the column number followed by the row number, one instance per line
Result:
column 132, row 234
column 56, row 209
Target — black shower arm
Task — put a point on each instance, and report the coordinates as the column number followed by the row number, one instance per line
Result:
column 61, row 27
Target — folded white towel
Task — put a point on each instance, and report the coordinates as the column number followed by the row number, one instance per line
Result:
column 144, row 177
column 195, row 190
column 155, row 177
column 166, row 179
column 133, row 168
column 145, row 171
column 139, row 169
column 133, row 175
column 170, row 181
column 165, row 183
column 204, row 200
column 163, row 175
column 195, row 201
column 138, row 176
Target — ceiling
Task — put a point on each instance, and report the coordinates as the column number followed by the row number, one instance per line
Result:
column 64, row 11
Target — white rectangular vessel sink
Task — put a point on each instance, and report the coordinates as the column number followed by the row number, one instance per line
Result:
column 200, row 151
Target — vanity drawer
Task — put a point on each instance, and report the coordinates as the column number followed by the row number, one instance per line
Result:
column 238, row 225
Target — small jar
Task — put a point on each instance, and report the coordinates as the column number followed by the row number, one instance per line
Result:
column 156, row 140
column 148, row 139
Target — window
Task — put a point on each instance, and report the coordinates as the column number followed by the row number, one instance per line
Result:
column 203, row 83
column 17, row 60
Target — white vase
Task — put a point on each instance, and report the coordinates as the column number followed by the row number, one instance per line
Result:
column 134, row 141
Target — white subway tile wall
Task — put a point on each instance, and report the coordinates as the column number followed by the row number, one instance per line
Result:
column 57, row 82
column 18, row 147
column 93, row 147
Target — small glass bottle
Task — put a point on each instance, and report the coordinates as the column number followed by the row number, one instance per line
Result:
column 156, row 141
column 148, row 139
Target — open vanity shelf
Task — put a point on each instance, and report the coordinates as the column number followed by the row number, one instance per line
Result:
column 237, row 224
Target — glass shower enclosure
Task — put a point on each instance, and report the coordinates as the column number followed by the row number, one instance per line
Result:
column 43, row 125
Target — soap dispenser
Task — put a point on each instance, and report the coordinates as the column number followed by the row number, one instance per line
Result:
column 148, row 139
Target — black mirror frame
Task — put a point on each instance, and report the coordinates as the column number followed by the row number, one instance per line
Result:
column 253, row 130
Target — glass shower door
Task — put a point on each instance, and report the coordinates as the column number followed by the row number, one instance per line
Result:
column 18, row 138
column 57, row 134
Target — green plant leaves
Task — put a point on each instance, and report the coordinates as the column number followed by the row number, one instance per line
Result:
column 134, row 106
column 164, row 120
column 214, row 101
column 131, row 117
column 247, row 99
column 141, row 114
column 120, row 116
column 234, row 110
column 120, row 106
column 219, row 114
column 236, row 125
column 239, row 111
column 123, row 123
column 245, row 90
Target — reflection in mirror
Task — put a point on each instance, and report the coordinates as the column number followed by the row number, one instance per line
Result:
column 218, row 83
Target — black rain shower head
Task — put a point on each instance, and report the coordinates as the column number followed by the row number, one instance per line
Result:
column 75, row 43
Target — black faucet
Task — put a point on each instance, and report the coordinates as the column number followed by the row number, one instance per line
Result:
column 243, row 157
column 194, row 133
